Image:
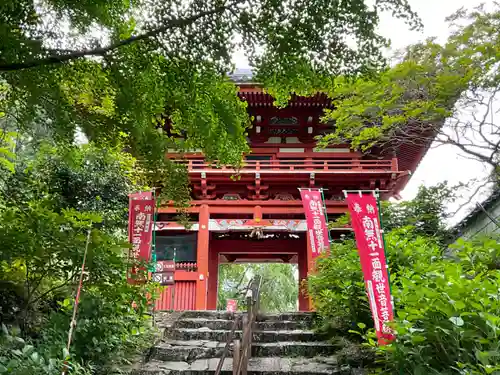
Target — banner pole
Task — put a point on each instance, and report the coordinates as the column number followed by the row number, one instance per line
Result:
column 326, row 216
column 153, row 247
column 377, row 198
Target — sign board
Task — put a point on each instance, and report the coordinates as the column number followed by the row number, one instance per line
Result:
column 164, row 278
column 165, row 265
column 232, row 305
column 164, row 272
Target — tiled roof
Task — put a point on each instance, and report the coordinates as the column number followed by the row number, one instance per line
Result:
column 241, row 75
column 488, row 203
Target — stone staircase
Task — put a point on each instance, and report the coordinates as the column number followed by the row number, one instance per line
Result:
column 284, row 344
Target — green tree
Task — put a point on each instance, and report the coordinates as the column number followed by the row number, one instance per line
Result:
column 48, row 208
column 278, row 290
column 108, row 67
column 442, row 93
column 427, row 212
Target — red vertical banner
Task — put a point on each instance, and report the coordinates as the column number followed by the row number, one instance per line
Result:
column 366, row 226
column 312, row 200
column 140, row 227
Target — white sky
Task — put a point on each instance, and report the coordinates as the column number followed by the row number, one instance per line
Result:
column 443, row 163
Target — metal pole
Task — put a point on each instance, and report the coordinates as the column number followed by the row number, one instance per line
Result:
column 153, row 247
column 173, row 289
column 326, row 216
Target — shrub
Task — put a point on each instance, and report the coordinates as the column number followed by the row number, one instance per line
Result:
column 447, row 309
column 17, row 357
column 338, row 289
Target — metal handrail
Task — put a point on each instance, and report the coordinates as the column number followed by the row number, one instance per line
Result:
column 242, row 353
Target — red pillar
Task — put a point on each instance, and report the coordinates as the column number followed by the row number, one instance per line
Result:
column 257, row 212
column 303, row 298
column 202, row 259
column 213, row 279
column 305, row 262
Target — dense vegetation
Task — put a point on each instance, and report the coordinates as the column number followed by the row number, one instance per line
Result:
column 145, row 77
column 55, row 202
column 139, row 67
column 148, row 76
column 446, row 297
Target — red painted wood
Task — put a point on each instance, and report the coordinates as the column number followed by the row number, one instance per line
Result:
column 213, row 280
column 318, row 163
column 164, row 301
column 202, row 259
column 230, row 246
column 247, row 207
column 181, row 275
column 183, row 297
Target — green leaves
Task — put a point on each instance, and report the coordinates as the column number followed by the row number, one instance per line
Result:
column 157, row 64
column 411, row 101
column 279, row 288
column 7, row 146
column 458, row 321
column 447, row 307
column 20, row 358
column 47, row 207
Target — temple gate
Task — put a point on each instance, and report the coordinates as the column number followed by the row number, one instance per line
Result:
column 259, row 217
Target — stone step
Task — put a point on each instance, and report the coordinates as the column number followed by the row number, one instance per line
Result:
column 258, row 336
column 293, row 349
column 308, row 317
column 225, row 324
column 188, row 351
column 207, row 314
column 256, row 366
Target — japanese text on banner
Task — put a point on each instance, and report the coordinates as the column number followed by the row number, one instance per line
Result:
column 366, row 226
column 312, row 201
column 141, row 218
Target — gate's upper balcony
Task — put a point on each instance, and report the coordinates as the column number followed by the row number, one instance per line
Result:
column 295, row 166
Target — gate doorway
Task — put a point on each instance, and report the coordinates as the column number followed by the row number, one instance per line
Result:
column 279, row 290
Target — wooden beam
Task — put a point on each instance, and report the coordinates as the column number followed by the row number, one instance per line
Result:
column 253, row 203
column 250, row 210
column 181, row 275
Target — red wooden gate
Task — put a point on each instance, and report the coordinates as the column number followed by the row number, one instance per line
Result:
column 184, row 297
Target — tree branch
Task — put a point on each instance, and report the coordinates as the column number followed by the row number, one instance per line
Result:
column 101, row 51
column 59, row 286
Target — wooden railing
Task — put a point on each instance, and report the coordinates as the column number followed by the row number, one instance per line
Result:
column 297, row 165
column 242, row 349
column 186, row 266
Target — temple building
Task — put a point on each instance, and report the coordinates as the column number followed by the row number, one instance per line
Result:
column 259, row 217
